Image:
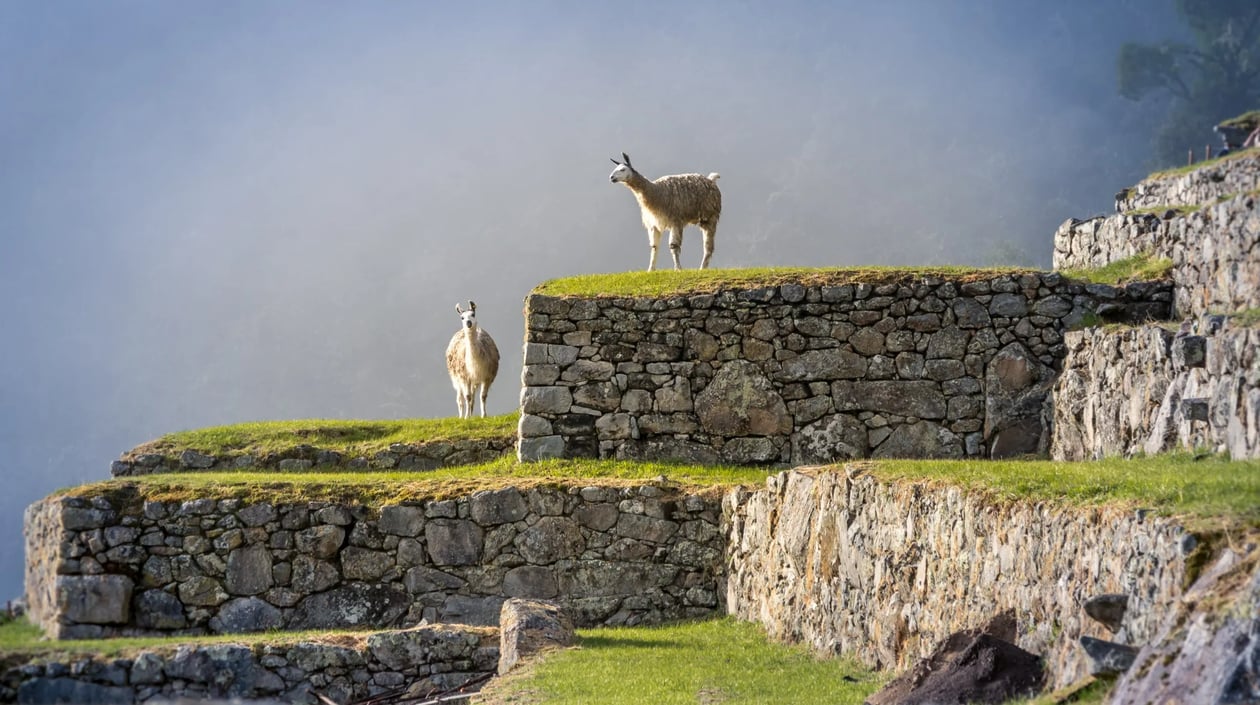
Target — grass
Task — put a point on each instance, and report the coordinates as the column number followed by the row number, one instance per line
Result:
column 1210, row 491
column 1248, row 318
column 1137, row 268
column 1181, row 211
column 1178, row 171
column 710, row 662
column 708, row 281
column 20, row 641
column 351, row 438
column 394, row 487
column 1248, row 119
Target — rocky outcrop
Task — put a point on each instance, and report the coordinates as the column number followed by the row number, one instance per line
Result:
column 399, row 456
column 1149, row 390
column 884, row 572
column 925, row 367
column 98, row 567
column 348, row 668
column 1215, row 251
column 1237, row 173
column 1208, row 647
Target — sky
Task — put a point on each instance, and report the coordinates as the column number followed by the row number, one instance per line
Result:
column 217, row 212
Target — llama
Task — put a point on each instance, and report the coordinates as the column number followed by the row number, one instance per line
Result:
column 472, row 358
column 672, row 203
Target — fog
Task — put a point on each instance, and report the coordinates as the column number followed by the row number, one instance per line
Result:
column 228, row 211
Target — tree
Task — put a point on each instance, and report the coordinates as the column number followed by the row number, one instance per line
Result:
column 1215, row 78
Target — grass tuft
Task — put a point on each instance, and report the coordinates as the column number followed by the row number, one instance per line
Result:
column 710, row 662
column 1138, row 268
column 1178, row 171
column 709, row 281
column 349, row 437
column 1247, row 318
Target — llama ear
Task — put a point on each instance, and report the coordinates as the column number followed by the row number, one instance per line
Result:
column 459, row 310
column 472, row 306
column 614, row 161
column 627, row 158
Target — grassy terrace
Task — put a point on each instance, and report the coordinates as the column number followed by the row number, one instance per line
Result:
column 708, row 281
column 1178, row 171
column 351, row 438
column 1138, row 268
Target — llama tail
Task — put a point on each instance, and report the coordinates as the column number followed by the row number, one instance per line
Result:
column 714, row 176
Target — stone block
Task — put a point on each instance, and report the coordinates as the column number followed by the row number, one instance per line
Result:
column 530, row 627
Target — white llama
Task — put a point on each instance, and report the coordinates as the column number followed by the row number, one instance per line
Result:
column 472, row 358
column 672, row 203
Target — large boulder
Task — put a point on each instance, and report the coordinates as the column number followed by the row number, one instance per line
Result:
column 741, row 401
column 968, row 667
column 528, row 627
column 1016, row 386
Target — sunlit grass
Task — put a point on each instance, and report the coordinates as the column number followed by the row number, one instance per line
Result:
column 349, row 437
column 411, row 486
column 1138, row 268
column 1207, row 489
column 707, row 281
column 1178, row 171
column 716, row 661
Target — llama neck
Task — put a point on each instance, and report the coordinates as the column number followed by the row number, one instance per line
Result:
column 470, row 343
column 644, row 190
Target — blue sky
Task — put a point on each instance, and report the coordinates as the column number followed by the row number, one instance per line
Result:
column 214, row 212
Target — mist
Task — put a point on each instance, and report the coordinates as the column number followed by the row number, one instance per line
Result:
column 222, row 212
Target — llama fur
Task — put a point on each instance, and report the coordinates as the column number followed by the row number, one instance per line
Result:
column 472, row 359
column 672, row 203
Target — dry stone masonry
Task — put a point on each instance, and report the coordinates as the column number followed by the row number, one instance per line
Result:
column 883, row 572
column 1151, row 390
column 99, row 567
column 350, row 668
column 926, row 367
column 1227, row 177
column 399, row 456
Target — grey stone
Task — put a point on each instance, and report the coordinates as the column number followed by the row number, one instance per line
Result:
column 971, row 314
column 473, row 610
column 197, row 461
column 352, row 605
column 1008, row 305
column 544, row 448
column 257, row 514
column 603, row 396
column 246, row 614
column 530, row 627
column 549, row 540
column 201, row 591
column 748, row 451
column 599, row 517
column 824, row 365
column 146, row 669
column 1108, row 658
column 493, row 507
column 313, row 575
column 41, row 691
column 534, row 426
column 248, row 570
column 95, row 599
column 401, row 520
column 1016, row 387
column 922, row 399
column 423, row 579
column 923, row 439
column 453, row 541
column 580, row 579
column 546, row 400
column 949, row 343
column 365, row 564
column 530, row 581
column 645, row 528
column 833, row 438
column 867, row 341
column 1189, row 351
column 741, row 401
column 322, row 541
column 1108, row 610
column 158, row 609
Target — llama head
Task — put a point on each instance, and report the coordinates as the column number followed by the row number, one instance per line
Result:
column 623, row 170
column 468, row 318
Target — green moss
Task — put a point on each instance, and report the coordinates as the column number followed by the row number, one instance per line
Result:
column 1248, row 318
column 1138, row 268
column 1180, row 211
column 351, row 438
column 1249, row 119
column 708, row 281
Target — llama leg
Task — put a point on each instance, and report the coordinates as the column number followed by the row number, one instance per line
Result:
column 654, row 239
column 675, row 243
column 709, row 234
column 459, row 402
column 485, row 391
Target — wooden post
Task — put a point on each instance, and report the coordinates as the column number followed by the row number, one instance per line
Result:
column 1189, row 157
column 1207, row 152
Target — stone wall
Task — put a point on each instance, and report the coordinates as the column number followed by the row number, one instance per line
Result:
column 1236, row 174
column 97, row 567
column 347, row 668
column 1215, row 252
column 884, row 572
column 399, row 456
column 925, row 367
column 1150, row 390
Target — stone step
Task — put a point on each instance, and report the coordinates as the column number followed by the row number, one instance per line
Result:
column 1236, row 173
